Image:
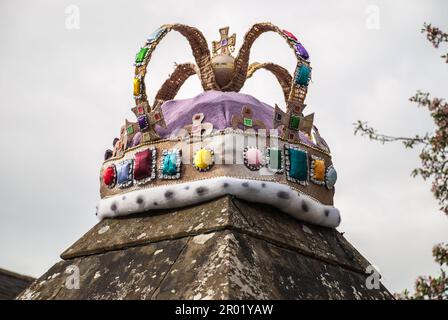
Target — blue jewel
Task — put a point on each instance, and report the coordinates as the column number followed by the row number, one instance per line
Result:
column 170, row 164
column 155, row 35
column 303, row 75
column 331, row 177
column 124, row 173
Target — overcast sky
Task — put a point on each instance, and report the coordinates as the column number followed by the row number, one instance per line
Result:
column 64, row 93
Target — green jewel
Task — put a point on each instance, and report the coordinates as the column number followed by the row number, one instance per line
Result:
column 298, row 164
column 294, row 122
column 275, row 159
column 141, row 55
column 248, row 122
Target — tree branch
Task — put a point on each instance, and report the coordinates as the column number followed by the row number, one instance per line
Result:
column 365, row 130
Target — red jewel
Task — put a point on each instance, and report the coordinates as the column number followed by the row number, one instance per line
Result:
column 157, row 116
column 197, row 117
column 140, row 110
column 109, row 176
column 290, row 35
column 143, row 164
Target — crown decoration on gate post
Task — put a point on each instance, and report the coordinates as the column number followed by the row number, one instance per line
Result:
column 221, row 142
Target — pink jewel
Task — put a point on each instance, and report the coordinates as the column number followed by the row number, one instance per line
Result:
column 253, row 157
column 140, row 110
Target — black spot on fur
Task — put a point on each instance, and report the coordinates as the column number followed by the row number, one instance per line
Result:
column 139, row 200
column 169, row 194
column 283, row 195
column 225, row 185
column 245, row 184
column 201, row 191
column 155, row 203
column 339, row 219
column 327, row 212
column 113, row 206
column 123, row 198
column 305, row 206
column 263, row 185
column 187, row 187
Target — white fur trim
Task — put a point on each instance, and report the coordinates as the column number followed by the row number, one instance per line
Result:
column 296, row 204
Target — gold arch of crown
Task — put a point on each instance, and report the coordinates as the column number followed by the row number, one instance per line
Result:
column 294, row 92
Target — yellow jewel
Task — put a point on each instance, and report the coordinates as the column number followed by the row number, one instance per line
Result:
column 203, row 159
column 146, row 137
column 319, row 170
column 136, row 86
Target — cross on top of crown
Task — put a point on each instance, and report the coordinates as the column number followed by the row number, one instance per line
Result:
column 226, row 45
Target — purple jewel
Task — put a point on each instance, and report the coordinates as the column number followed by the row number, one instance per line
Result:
column 301, row 51
column 137, row 139
column 143, row 122
column 224, row 42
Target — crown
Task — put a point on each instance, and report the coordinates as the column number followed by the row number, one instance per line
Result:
column 221, row 142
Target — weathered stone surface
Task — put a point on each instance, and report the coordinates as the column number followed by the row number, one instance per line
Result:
column 134, row 273
column 232, row 265
column 224, row 249
column 138, row 229
column 261, row 270
column 224, row 213
column 11, row 284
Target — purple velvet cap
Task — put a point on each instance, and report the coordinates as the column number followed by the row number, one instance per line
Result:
column 218, row 108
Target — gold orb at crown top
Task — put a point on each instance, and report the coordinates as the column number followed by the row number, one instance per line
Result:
column 223, row 67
